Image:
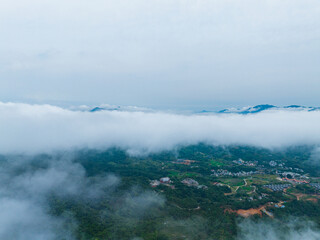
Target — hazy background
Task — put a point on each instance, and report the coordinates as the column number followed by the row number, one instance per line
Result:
column 177, row 54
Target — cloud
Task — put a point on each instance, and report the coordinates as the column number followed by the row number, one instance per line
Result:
column 44, row 128
column 292, row 229
column 26, row 184
column 315, row 157
column 31, row 189
column 37, row 128
column 136, row 203
column 22, row 219
column 132, row 206
column 190, row 229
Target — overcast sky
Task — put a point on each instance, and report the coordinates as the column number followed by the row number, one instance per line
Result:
column 167, row 54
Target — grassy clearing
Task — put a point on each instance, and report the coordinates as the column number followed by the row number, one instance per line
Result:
column 246, row 188
column 216, row 163
column 233, row 182
column 173, row 174
column 189, row 175
column 264, row 179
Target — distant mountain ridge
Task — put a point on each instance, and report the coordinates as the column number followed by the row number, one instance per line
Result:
column 243, row 110
column 264, row 107
column 98, row 109
column 108, row 107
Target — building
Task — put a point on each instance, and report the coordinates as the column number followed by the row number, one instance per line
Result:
column 315, row 185
column 184, row 161
column 154, row 183
column 277, row 187
column 272, row 163
column 165, row 180
column 190, row 182
column 294, row 180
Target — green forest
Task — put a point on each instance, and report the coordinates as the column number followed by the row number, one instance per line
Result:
column 132, row 208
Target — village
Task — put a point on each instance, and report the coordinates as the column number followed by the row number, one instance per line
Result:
column 167, row 182
column 256, row 185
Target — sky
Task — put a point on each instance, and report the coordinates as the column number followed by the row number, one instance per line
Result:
column 162, row 54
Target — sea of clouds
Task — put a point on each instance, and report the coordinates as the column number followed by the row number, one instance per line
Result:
column 34, row 129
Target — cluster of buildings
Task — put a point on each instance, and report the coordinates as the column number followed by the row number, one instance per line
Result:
column 277, row 187
column 315, row 185
column 281, row 165
column 262, row 196
column 193, row 183
column 190, row 182
column 245, row 163
column 167, row 182
column 155, row 183
column 184, row 161
column 222, row 172
column 248, row 199
column 273, row 163
column 290, row 168
column 218, row 184
column 164, row 180
column 291, row 175
column 294, row 181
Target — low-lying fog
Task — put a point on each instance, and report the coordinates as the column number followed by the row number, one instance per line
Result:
column 43, row 128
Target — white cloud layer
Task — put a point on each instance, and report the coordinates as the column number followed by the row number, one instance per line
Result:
column 43, row 128
column 291, row 229
column 28, row 186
